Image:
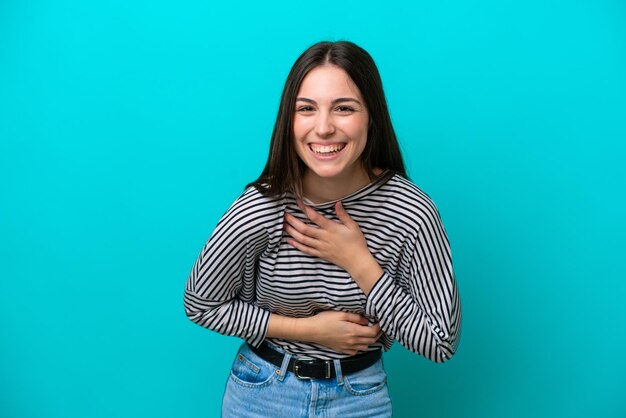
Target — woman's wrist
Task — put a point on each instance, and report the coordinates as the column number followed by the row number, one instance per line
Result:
column 281, row 327
column 366, row 273
column 289, row 328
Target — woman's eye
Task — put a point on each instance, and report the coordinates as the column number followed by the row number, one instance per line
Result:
column 304, row 109
column 344, row 109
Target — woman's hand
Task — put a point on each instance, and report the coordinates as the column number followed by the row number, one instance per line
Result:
column 344, row 332
column 341, row 243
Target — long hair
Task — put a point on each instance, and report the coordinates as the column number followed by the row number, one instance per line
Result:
column 284, row 170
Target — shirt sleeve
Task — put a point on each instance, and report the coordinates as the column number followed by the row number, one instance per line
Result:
column 220, row 288
column 422, row 311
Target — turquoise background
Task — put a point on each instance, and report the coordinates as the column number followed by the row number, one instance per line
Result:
column 127, row 129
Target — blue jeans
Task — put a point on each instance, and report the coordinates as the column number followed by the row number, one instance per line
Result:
column 259, row 389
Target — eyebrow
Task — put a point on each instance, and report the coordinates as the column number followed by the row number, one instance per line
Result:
column 334, row 102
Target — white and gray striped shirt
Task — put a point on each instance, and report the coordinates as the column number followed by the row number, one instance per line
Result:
column 247, row 270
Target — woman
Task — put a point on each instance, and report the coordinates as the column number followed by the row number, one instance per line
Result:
column 329, row 256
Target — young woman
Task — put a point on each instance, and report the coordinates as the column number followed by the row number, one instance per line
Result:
column 329, row 256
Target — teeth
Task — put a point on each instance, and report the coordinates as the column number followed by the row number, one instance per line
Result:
column 326, row 149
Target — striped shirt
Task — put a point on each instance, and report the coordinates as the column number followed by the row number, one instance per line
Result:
column 247, row 270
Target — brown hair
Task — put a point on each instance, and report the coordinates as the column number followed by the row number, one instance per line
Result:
column 284, row 170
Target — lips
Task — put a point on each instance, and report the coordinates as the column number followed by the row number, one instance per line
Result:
column 326, row 149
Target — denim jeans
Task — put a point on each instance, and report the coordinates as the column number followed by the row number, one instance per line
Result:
column 259, row 389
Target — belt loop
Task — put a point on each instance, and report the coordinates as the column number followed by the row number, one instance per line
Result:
column 338, row 372
column 282, row 372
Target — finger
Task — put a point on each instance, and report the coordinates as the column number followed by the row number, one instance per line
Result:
column 367, row 341
column 316, row 218
column 300, row 237
column 342, row 214
column 356, row 318
column 376, row 327
column 303, row 248
column 369, row 332
column 301, row 226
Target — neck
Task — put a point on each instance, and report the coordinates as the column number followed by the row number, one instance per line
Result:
column 324, row 189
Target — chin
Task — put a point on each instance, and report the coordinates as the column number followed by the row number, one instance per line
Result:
column 328, row 172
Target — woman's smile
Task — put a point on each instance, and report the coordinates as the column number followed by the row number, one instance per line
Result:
column 327, row 151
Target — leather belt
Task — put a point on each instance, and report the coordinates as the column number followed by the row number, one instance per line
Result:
column 305, row 368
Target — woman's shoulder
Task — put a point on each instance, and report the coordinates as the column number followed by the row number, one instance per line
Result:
column 408, row 197
column 405, row 188
column 252, row 217
column 252, row 201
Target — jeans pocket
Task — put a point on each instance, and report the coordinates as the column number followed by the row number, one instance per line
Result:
column 251, row 371
column 367, row 381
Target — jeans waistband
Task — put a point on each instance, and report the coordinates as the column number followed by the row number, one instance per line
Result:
column 305, row 368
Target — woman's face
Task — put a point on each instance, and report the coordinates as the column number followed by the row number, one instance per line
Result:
column 330, row 124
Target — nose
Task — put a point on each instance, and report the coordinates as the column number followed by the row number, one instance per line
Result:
column 324, row 125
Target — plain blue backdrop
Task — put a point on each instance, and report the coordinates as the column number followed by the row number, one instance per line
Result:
column 128, row 127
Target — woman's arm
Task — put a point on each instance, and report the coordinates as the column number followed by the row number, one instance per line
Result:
column 344, row 332
column 220, row 288
column 426, row 319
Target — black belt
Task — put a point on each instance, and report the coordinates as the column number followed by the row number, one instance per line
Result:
column 317, row 369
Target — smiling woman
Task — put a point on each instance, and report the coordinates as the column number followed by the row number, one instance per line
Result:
column 329, row 256
column 330, row 133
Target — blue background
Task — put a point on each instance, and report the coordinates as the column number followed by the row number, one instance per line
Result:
column 128, row 128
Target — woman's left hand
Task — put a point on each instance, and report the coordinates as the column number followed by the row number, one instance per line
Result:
column 341, row 243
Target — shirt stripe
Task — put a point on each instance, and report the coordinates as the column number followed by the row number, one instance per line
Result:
column 247, row 270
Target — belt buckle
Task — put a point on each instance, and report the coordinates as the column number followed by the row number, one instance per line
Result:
column 296, row 368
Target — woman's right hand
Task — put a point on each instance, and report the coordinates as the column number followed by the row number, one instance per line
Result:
column 344, row 332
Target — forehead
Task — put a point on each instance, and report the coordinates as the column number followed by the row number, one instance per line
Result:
column 328, row 82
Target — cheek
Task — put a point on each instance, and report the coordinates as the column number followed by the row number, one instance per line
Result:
column 356, row 128
column 299, row 135
column 359, row 135
column 300, row 128
column 362, row 141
